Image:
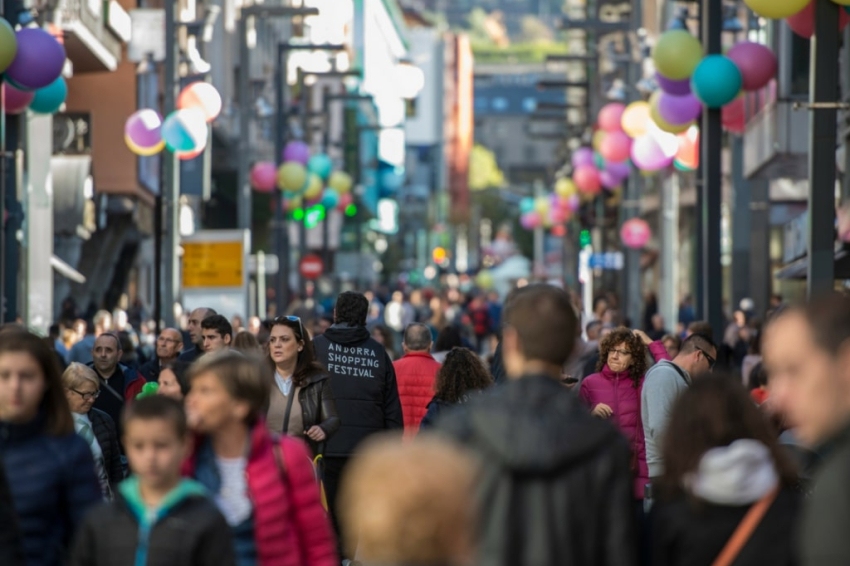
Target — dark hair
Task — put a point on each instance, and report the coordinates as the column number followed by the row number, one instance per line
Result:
column 181, row 371
column 448, row 338
column 54, row 405
column 306, row 367
column 715, row 411
column 829, row 319
column 246, row 342
column 758, row 377
column 157, row 407
column 461, row 373
column 635, row 346
column 593, row 324
column 417, row 337
column 218, row 323
column 351, row 308
column 696, row 342
column 114, row 336
column 545, row 321
column 701, row 327
column 673, row 338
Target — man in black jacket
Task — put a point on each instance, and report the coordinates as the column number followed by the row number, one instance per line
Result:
column 196, row 318
column 364, row 386
column 555, row 484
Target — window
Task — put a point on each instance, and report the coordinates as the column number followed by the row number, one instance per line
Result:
column 500, row 104
column 529, row 104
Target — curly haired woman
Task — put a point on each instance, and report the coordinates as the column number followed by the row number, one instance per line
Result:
column 460, row 375
column 614, row 391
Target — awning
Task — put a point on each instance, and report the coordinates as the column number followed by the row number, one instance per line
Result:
column 797, row 269
column 66, row 270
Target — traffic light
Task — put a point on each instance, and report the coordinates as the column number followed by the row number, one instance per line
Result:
column 298, row 214
column 314, row 215
column 439, row 255
column 584, row 239
column 351, row 210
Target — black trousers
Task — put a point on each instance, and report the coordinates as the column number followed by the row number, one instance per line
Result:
column 334, row 467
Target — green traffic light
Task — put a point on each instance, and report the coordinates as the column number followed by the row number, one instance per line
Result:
column 315, row 214
column 351, row 210
column 298, row 214
column 584, row 238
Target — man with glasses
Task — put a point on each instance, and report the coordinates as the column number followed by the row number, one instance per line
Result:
column 663, row 384
column 169, row 344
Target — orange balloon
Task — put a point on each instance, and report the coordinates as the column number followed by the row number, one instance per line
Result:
column 201, row 95
column 188, row 155
column 688, row 154
column 636, row 119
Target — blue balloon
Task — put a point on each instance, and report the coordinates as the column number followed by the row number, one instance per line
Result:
column 716, row 81
column 49, row 99
column 321, row 165
column 330, row 199
column 526, row 205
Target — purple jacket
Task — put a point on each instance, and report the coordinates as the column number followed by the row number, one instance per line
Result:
column 618, row 392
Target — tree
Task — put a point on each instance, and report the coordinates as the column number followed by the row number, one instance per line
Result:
column 484, row 172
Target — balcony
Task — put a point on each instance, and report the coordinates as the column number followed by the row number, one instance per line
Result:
column 89, row 45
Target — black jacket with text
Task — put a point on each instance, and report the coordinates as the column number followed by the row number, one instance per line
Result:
column 363, row 383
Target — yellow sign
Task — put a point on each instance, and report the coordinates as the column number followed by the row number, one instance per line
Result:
column 212, row 264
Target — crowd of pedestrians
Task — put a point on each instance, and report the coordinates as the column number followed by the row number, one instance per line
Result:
column 303, row 440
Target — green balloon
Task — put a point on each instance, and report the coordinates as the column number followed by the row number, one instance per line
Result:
column 676, row 54
column 8, row 45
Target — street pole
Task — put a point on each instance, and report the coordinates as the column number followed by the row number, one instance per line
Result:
column 170, row 174
column 281, row 230
column 631, row 206
column 711, row 21
column 243, row 182
column 823, row 81
column 668, row 297
column 760, row 277
column 741, row 222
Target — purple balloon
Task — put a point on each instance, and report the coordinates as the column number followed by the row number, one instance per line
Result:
column 297, row 151
column 618, row 170
column 670, row 86
column 39, row 60
column 583, row 156
column 608, row 180
column 679, row 110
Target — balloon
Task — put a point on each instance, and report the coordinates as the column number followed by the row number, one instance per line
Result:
column 803, row 22
column 297, row 151
column 609, row 181
column 17, row 100
column 143, row 132
column 676, row 88
column 38, row 60
column 676, row 54
column 291, row 177
column 582, row 156
column 636, row 119
column 687, row 157
column 484, row 280
column 290, row 204
column 321, row 165
column 717, row 80
column 345, row 199
column 314, row 187
column 587, row 179
column 541, row 206
column 526, row 205
column 597, row 138
column 574, row 203
column 330, row 199
column 341, row 182
column 8, row 45
column 649, row 155
column 756, row 62
column 610, row 117
column 264, row 176
column 616, row 146
column 733, row 116
column 659, row 121
column 677, row 110
column 565, row 188
column 635, row 233
column 530, row 220
column 201, row 95
column 189, row 155
column 776, row 9
column 49, row 99
column 148, row 390
column 185, row 130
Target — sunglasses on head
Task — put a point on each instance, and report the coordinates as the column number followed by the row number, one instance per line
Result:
column 291, row 318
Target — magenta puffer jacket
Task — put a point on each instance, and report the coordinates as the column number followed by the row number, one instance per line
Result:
column 617, row 390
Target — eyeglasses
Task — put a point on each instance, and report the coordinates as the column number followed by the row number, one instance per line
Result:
column 711, row 361
column 291, row 318
column 621, row 352
column 86, row 396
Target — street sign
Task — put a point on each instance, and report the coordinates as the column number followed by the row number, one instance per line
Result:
column 213, row 264
column 270, row 264
column 311, row 266
column 607, row 260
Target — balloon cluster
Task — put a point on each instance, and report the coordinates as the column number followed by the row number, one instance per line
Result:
column 305, row 180
column 184, row 132
column 798, row 13
column 550, row 211
column 32, row 61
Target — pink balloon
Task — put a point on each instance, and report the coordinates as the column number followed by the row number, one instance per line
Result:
column 618, row 170
column 17, row 100
column 530, row 220
column 345, row 199
column 611, row 116
column 574, row 203
column 678, row 110
column 635, row 233
column 648, row 155
column 616, row 146
column 803, row 22
column 608, row 180
column 733, row 117
column 264, row 176
column 756, row 62
column 582, row 156
column 587, row 179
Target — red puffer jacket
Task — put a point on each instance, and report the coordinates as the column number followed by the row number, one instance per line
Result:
column 290, row 524
column 415, row 374
column 617, row 390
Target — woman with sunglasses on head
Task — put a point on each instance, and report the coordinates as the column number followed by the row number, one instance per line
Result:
column 97, row 428
column 301, row 403
column 50, row 468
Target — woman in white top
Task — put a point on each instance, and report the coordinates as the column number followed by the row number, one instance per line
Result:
column 82, row 387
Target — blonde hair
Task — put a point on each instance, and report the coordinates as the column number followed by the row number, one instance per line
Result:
column 244, row 377
column 409, row 502
column 76, row 374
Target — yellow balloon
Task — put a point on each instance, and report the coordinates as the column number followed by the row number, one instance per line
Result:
column 144, row 151
column 677, row 53
column 314, row 187
column 636, row 119
column 565, row 188
column 842, row 2
column 340, row 181
column 484, row 280
column 778, row 9
column 598, row 136
column 541, row 206
column 291, row 177
column 293, row 203
column 662, row 124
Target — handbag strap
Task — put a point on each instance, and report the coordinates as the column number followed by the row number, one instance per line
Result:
column 745, row 529
column 289, row 399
